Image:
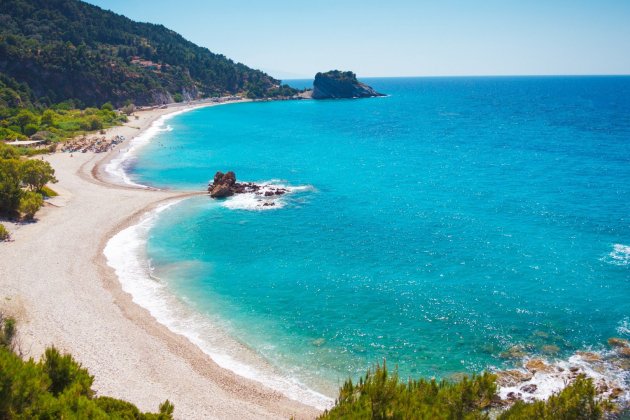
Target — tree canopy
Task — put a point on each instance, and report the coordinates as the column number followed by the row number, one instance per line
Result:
column 54, row 50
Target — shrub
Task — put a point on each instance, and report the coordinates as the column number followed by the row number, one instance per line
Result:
column 15, row 128
column 8, row 152
column 178, row 97
column 48, row 192
column 63, row 372
column 107, row 106
column 10, row 191
column 30, row 129
column 25, row 117
column 381, row 396
column 30, row 203
column 57, row 387
column 4, row 233
column 36, row 173
column 7, row 331
column 48, row 117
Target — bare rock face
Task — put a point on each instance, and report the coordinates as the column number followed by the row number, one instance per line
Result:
column 222, row 185
column 225, row 185
column 337, row 84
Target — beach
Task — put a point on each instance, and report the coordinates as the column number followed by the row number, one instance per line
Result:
column 56, row 281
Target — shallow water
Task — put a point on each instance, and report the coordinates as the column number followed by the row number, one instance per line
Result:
column 435, row 228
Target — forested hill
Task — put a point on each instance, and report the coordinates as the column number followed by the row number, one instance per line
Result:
column 54, row 50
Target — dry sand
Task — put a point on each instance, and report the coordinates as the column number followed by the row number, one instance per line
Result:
column 55, row 280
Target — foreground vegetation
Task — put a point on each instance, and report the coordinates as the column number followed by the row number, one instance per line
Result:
column 22, row 183
column 56, row 387
column 381, row 395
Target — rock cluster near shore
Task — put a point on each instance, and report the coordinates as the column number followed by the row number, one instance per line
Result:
column 225, row 185
column 337, row 84
column 538, row 378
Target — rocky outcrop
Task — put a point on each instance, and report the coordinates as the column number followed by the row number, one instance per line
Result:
column 225, row 185
column 337, row 84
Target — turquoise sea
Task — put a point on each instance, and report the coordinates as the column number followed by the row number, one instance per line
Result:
column 435, row 228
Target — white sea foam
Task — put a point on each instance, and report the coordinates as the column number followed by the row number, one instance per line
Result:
column 116, row 167
column 620, row 255
column 258, row 202
column 600, row 367
column 125, row 253
column 624, row 327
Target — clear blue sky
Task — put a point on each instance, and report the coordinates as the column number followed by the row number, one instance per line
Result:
column 297, row 38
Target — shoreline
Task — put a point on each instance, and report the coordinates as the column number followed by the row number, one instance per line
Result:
column 72, row 298
column 231, row 394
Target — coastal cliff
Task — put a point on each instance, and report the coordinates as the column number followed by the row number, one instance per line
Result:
column 337, row 84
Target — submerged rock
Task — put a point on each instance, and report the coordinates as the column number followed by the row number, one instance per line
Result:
column 618, row 342
column 589, row 356
column 337, row 84
column 514, row 352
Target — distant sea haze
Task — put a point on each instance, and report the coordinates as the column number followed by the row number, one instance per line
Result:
column 435, row 228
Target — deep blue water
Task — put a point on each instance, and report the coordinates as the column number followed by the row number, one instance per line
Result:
column 442, row 225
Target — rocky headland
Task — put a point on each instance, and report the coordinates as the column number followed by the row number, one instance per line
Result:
column 225, row 185
column 337, row 84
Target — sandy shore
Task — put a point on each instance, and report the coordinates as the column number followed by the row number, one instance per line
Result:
column 55, row 280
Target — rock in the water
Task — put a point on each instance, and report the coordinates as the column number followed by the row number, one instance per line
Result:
column 589, row 356
column 222, row 185
column 221, row 191
column 537, row 365
column 624, row 352
column 529, row 388
column 337, row 84
column 512, row 377
column 618, row 342
column 225, row 185
column 514, row 352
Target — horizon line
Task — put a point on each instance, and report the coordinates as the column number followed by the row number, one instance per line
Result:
column 478, row 76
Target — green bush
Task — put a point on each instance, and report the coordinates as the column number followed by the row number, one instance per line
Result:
column 56, row 387
column 36, row 173
column 30, row 203
column 94, row 123
column 15, row 128
column 31, row 129
column 7, row 331
column 48, row 117
column 4, row 233
column 48, row 192
column 10, row 179
column 178, row 97
column 381, row 395
column 107, row 106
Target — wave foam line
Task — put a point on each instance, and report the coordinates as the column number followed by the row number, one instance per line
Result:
column 543, row 378
column 620, row 255
column 258, row 202
column 125, row 253
column 116, row 167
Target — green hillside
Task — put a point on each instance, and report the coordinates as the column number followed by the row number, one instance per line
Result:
column 55, row 50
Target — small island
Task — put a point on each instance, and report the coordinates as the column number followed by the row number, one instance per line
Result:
column 337, row 84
